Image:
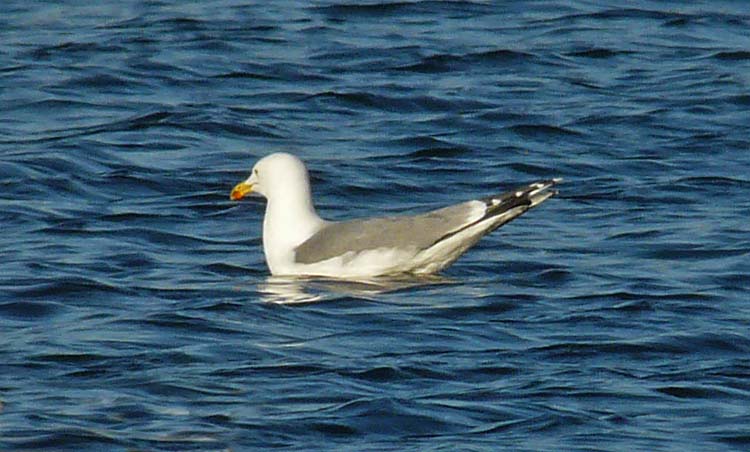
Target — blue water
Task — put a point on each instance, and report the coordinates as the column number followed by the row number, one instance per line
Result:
column 136, row 311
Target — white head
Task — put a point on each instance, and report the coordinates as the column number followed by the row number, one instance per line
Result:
column 290, row 216
column 279, row 176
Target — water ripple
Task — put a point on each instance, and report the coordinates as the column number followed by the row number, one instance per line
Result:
column 136, row 309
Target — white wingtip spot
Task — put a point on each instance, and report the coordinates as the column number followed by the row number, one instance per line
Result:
column 519, row 194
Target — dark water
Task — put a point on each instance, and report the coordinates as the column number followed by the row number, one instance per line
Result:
column 136, row 312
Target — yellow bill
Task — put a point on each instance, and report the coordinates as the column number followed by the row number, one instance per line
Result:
column 240, row 191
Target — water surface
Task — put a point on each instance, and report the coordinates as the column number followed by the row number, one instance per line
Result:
column 136, row 312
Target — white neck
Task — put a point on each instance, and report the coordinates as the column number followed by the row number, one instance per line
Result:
column 290, row 219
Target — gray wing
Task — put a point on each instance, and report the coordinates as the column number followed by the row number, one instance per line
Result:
column 419, row 232
column 415, row 232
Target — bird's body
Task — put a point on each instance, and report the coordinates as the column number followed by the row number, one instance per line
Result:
column 296, row 241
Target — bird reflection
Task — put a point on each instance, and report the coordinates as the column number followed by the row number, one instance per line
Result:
column 298, row 290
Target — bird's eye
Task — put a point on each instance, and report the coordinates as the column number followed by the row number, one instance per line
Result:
column 256, row 172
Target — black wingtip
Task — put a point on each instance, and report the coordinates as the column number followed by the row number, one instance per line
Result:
column 528, row 196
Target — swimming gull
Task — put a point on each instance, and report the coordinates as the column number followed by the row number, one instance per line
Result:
column 296, row 241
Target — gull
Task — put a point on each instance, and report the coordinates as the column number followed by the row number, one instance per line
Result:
column 297, row 242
